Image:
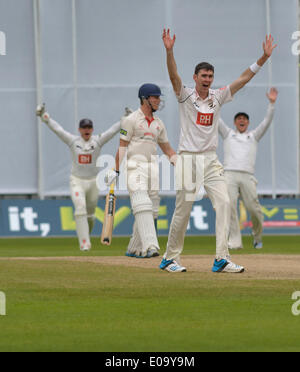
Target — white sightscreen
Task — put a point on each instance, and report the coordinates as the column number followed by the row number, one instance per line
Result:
column 119, row 47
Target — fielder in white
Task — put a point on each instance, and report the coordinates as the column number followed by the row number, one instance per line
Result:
column 85, row 149
column 141, row 132
column 199, row 110
column 240, row 148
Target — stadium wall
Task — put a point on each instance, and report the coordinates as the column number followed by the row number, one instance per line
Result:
column 37, row 218
column 92, row 59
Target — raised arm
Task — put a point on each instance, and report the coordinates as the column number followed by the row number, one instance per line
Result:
column 65, row 136
column 171, row 64
column 114, row 129
column 110, row 133
column 223, row 128
column 264, row 125
column 248, row 74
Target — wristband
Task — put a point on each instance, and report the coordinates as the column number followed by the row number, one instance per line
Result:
column 255, row 68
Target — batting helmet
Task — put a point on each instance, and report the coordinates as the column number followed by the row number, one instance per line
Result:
column 147, row 90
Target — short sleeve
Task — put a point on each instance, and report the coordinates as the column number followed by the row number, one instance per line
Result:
column 126, row 131
column 224, row 95
column 184, row 94
column 163, row 137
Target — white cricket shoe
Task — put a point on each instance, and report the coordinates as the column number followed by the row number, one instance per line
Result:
column 172, row 266
column 233, row 268
column 257, row 245
column 226, row 266
column 85, row 248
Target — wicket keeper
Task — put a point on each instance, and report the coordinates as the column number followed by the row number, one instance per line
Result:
column 85, row 149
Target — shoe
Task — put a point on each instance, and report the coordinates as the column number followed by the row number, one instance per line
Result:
column 135, row 255
column 140, row 255
column 226, row 266
column 85, row 248
column 128, row 254
column 152, row 252
column 257, row 245
column 172, row 266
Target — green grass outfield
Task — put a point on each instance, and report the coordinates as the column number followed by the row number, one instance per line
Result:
column 61, row 305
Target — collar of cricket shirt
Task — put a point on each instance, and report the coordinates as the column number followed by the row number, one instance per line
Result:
column 209, row 96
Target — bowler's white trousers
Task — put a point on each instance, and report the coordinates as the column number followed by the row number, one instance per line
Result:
column 243, row 184
column 204, row 170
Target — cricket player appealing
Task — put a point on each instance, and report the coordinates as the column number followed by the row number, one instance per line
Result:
column 140, row 132
column 240, row 147
column 85, row 149
column 199, row 110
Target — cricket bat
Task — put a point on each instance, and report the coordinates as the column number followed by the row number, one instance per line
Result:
column 108, row 223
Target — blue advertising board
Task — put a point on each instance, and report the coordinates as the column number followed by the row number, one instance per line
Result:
column 29, row 218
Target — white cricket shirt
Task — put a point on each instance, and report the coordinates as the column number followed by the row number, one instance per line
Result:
column 240, row 148
column 84, row 153
column 199, row 118
column 142, row 134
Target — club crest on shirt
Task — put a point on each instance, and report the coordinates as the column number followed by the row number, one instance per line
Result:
column 211, row 104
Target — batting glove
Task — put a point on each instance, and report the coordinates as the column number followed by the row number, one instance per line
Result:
column 111, row 176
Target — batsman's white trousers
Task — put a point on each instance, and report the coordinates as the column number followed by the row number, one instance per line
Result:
column 143, row 180
column 244, row 185
column 203, row 169
column 84, row 194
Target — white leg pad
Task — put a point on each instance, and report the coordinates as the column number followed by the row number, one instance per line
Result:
column 135, row 245
column 142, row 210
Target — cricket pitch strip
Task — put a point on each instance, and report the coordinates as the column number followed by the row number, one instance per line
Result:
column 260, row 266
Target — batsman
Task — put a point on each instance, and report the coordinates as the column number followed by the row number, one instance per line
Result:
column 140, row 132
column 85, row 149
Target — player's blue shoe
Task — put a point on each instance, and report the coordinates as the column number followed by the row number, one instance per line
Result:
column 172, row 266
column 128, row 254
column 226, row 266
column 219, row 266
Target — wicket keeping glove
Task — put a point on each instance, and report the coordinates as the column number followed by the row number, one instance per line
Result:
column 41, row 112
